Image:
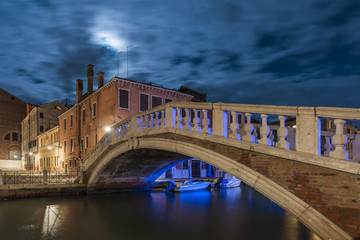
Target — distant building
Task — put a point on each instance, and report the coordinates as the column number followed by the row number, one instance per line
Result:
column 49, row 151
column 83, row 125
column 12, row 112
column 38, row 120
column 198, row 97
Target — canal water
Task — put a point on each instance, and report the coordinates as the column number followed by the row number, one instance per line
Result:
column 240, row 213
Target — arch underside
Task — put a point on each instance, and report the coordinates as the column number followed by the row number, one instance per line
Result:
column 112, row 172
column 136, row 169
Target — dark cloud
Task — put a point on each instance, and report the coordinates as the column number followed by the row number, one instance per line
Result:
column 274, row 40
column 229, row 61
column 142, row 77
column 332, row 60
column 348, row 11
column 194, row 61
column 267, row 52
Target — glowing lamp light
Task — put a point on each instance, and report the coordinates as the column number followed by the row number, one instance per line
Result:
column 49, row 147
column 294, row 126
column 107, row 128
column 30, row 153
column 15, row 156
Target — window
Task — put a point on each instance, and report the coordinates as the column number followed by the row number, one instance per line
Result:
column 83, row 115
column 71, row 121
column 15, row 136
column 69, row 163
column 95, row 138
column 75, row 163
column 144, row 102
column 71, row 145
column 94, row 109
column 7, row 137
column 123, row 98
column 64, row 146
column 64, row 124
column 86, row 142
column 168, row 100
column 185, row 164
column 81, row 145
column 14, row 154
column 156, row 101
column 41, row 128
column 41, row 115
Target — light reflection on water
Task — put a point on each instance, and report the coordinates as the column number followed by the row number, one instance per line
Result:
column 240, row 213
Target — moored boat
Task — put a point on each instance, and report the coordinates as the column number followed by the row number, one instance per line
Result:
column 187, row 186
column 230, row 183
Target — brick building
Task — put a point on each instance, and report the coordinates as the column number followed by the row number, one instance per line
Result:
column 83, row 125
column 38, row 120
column 12, row 112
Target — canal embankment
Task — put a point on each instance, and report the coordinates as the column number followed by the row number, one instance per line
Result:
column 18, row 191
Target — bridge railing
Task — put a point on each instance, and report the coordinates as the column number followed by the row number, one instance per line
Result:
column 283, row 127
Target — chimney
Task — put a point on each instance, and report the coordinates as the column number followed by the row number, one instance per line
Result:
column 100, row 79
column 79, row 90
column 90, row 75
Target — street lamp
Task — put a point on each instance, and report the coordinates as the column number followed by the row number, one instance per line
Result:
column 127, row 60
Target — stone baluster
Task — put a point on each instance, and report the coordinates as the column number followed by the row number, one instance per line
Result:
column 271, row 137
column 282, row 134
column 327, row 147
column 187, row 119
column 339, row 141
column 147, row 121
column 163, row 118
column 142, row 122
column 205, row 122
column 264, row 131
column 197, row 126
column 234, row 126
column 152, row 120
column 249, row 128
column 178, row 118
column 159, row 118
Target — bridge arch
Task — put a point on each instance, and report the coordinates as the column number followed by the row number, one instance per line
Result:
column 308, row 215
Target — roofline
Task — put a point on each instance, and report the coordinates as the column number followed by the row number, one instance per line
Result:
column 116, row 79
column 57, row 126
column 35, row 107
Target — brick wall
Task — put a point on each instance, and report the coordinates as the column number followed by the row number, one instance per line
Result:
column 12, row 112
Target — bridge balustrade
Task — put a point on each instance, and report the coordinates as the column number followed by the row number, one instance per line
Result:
column 234, row 122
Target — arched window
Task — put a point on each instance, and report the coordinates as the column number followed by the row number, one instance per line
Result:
column 15, row 136
column 7, row 137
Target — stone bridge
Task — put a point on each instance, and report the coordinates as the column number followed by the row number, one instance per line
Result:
column 322, row 192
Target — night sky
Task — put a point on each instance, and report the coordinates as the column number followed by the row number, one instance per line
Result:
column 281, row 52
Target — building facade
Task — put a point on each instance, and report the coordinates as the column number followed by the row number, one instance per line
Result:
column 49, row 151
column 12, row 112
column 83, row 125
column 38, row 120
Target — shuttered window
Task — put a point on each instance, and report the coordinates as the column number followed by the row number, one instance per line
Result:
column 123, row 98
column 156, row 101
column 144, row 102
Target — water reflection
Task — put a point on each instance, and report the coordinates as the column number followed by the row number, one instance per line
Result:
column 52, row 221
column 220, row 214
